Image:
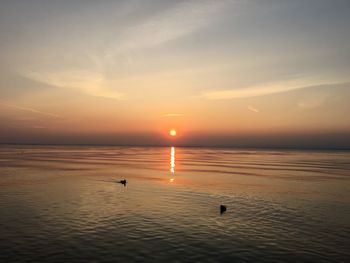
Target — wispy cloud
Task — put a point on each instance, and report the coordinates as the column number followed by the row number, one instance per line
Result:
column 89, row 82
column 173, row 115
column 251, row 108
column 30, row 110
column 39, row 127
column 313, row 101
column 267, row 89
column 178, row 21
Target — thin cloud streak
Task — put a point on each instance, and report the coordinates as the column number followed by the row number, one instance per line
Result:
column 90, row 83
column 179, row 21
column 30, row 110
column 251, row 108
column 266, row 90
column 313, row 102
column 173, row 115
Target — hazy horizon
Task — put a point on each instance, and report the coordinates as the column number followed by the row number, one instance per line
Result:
column 302, row 141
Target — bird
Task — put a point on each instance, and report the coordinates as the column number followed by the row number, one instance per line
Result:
column 222, row 209
column 123, row 182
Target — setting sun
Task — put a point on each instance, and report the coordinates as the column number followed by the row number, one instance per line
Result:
column 172, row 132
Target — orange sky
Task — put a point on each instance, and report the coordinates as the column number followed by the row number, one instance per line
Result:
column 128, row 72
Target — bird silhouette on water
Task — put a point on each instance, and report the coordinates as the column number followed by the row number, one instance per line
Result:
column 123, row 182
column 222, row 209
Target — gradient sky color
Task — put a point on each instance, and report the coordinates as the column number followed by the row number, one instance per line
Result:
column 235, row 72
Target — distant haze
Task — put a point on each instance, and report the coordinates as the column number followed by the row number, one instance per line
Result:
column 221, row 73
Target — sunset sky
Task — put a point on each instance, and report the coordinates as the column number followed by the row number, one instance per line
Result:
column 230, row 73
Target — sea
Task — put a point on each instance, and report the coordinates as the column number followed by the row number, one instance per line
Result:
column 67, row 204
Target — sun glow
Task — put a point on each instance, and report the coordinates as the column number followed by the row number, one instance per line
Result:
column 172, row 132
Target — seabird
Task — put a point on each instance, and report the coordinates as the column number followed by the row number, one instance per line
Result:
column 222, row 209
column 123, row 182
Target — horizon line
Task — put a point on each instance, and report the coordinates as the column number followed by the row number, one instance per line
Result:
column 308, row 148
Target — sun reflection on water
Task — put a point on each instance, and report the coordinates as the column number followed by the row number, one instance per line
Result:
column 172, row 163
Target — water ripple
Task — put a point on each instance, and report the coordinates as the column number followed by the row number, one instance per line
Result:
column 63, row 204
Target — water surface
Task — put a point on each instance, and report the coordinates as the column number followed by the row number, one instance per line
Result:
column 63, row 204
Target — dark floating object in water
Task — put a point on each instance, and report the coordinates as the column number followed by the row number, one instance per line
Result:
column 222, row 209
column 123, row 182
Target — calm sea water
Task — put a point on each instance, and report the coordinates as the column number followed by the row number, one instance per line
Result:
column 63, row 204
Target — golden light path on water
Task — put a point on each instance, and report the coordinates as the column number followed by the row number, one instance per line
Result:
column 172, row 163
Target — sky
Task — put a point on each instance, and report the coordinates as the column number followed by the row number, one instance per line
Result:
column 222, row 73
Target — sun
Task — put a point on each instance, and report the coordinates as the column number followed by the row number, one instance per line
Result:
column 172, row 132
